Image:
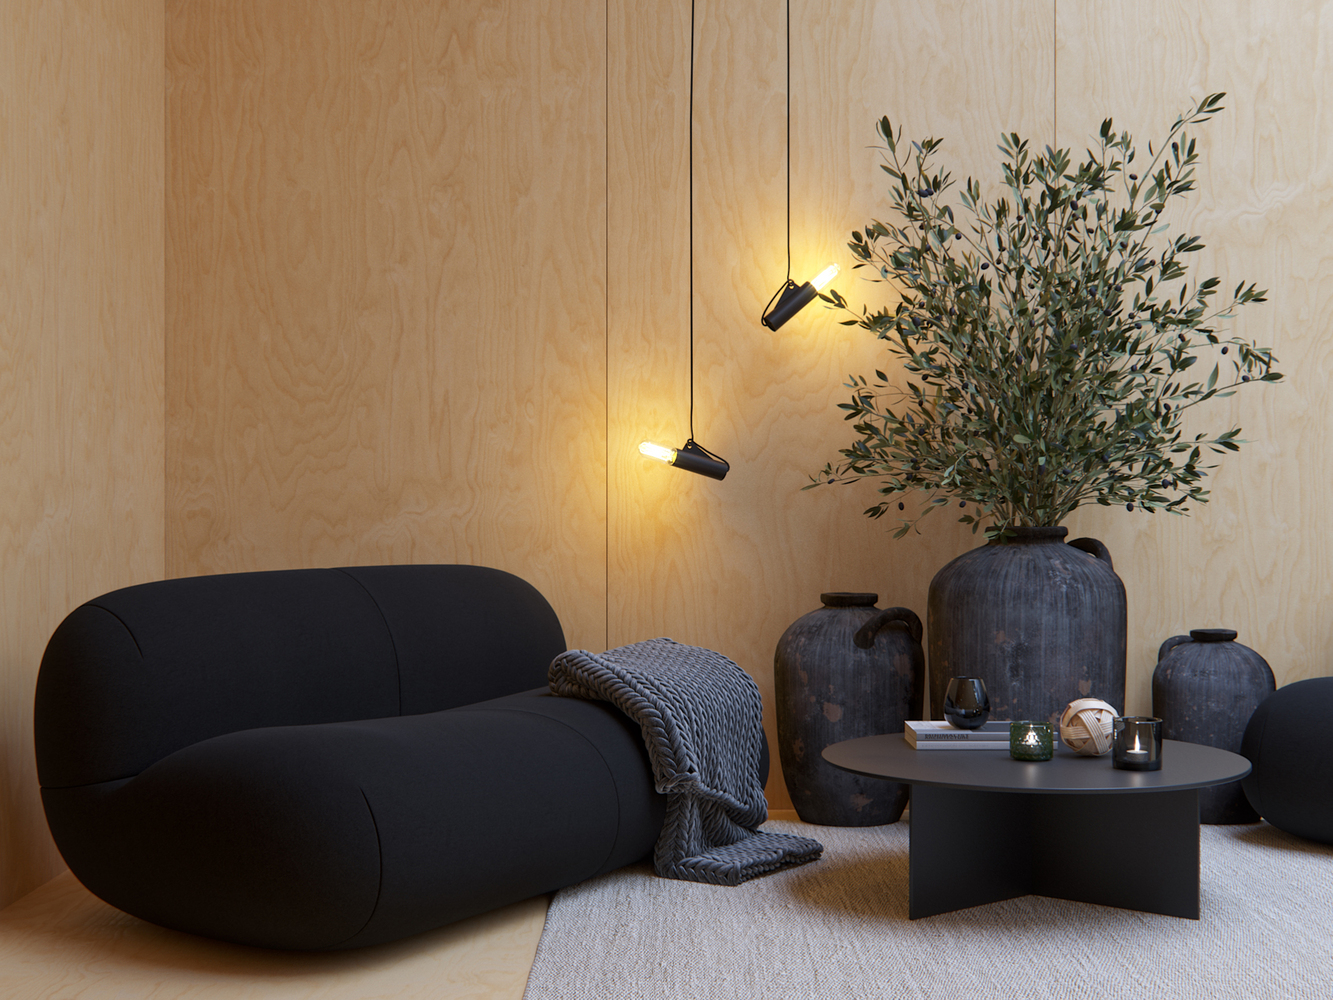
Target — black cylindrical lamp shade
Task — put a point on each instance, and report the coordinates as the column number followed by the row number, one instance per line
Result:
column 794, row 298
column 692, row 458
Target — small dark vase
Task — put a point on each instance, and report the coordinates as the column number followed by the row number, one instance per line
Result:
column 1040, row 621
column 1204, row 689
column 966, row 705
column 844, row 671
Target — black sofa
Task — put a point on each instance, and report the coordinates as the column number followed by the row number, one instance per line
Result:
column 331, row 758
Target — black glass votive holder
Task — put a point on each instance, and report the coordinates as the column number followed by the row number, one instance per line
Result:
column 1136, row 743
column 966, row 704
column 1029, row 740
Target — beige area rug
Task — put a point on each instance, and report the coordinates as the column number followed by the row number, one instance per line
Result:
column 839, row 928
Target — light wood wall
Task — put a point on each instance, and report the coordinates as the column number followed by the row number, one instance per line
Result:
column 81, row 328
column 1257, row 558
column 385, row 301
column 428, row 287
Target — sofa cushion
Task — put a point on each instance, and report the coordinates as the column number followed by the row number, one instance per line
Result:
column 354, row 833
column 139, row 673
column 462, row 634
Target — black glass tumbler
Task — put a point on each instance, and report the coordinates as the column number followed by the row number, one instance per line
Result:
column 966, row 704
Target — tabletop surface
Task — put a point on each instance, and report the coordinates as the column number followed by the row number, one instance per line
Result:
column 1184, row 765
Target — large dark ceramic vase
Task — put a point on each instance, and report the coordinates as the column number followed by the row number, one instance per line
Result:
column 1204, row 689
column 844, row 671
column 1042, row 622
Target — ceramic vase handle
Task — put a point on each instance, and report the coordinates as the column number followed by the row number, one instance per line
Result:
column 1171, row 644
column 865, row 635
column 1093, row 548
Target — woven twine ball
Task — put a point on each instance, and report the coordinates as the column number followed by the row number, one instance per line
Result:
column 1085, row 726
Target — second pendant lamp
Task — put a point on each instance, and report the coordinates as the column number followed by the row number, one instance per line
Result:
column 791, row 298
column 691, row 456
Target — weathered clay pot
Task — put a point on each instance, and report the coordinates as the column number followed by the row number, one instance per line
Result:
column 1042, row 622
column 1204, row 689
column 845, row 671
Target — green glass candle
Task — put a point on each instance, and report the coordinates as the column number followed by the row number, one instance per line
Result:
column 1031, row 740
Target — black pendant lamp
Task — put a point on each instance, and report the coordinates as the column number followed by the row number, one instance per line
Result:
column 791, row 298
column 691, row 456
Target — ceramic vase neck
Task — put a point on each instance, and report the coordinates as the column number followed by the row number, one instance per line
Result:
column 1028, row 536
column 845, row 599
column 1213, row 634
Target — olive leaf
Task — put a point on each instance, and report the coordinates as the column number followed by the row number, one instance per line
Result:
column 1045, row 338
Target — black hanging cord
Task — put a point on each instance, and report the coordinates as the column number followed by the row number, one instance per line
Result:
column 694, row 456
column 691, row 144
column 691, row 443
column 787, row 285
column 788, row 88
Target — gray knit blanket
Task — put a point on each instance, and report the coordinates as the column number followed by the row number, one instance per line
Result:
column 701, row 719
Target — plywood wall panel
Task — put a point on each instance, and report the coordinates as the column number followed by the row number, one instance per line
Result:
column 1257, row 557
column 429, row 286
column 384, row 291
column 730, row 565
column 81, row 335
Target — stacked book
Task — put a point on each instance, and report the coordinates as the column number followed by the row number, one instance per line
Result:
column 942, row 736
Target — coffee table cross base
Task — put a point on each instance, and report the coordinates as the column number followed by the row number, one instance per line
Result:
column 1139, row 852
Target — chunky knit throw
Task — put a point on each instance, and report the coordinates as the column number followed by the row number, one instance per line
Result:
column 701, row 719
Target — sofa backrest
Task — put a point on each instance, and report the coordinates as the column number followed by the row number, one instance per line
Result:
column 139, row 673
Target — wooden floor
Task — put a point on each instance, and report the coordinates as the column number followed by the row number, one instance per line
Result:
column 62, row 943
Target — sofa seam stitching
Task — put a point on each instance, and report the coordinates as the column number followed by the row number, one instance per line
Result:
column 133, row 638
column 397, row 667
column 379, row 887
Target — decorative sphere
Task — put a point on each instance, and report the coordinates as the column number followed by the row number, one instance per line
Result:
column 1085, row 726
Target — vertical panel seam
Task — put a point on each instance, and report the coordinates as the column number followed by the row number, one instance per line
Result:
column 166, row 361
column 606, row 324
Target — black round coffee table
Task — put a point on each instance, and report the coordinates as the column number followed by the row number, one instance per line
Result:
column 986, row 827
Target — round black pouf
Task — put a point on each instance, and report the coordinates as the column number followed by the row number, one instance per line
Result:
column 1287, row 741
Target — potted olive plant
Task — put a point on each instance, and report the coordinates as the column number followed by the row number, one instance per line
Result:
column 1049, row 347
